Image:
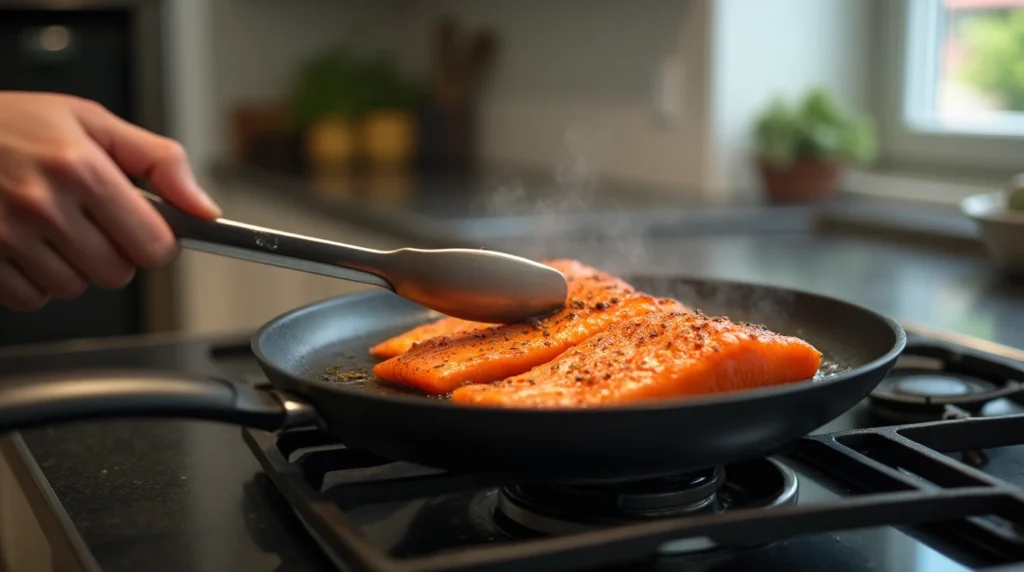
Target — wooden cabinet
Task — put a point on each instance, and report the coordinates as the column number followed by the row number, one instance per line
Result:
column 218, row 294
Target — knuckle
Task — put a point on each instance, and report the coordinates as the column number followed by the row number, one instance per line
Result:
column 95, row 106
column 66, row 157
column 38, row 203
column 86, row 105
column 172, row 151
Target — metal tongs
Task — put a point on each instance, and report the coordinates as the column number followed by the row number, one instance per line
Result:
column 477, row 285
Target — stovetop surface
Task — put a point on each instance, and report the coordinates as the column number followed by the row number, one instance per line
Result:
column 185, row 495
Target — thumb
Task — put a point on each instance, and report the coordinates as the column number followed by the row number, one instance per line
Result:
column 146, row 155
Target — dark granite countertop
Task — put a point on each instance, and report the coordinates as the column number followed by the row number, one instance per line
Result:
column 169, row 495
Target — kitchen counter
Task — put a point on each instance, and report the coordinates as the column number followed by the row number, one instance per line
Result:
column 474, row 210
column 175, row 495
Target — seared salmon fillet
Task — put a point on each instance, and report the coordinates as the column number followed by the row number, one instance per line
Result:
column 442, row 364
column 449, row 326
column 656, row 356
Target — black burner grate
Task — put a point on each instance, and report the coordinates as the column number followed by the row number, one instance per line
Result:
column 934, row 380
column 898, row 476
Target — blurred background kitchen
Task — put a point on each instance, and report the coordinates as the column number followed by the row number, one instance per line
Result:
column 624, row 133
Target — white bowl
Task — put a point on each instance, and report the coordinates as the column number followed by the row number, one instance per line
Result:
column 1002, row 230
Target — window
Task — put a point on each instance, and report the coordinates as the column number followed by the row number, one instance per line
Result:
column 964, row 66
column 953, row 84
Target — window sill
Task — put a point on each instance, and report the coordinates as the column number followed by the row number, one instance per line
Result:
column 920, row 208
column 935, row 189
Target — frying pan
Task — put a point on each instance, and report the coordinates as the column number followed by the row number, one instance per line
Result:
column 295, row 350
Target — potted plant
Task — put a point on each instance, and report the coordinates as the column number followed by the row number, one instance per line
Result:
column 352, row 108
column 326, row 102
column 804, row 150
column 388, row 128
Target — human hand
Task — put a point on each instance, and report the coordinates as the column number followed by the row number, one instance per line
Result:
column 69, row 215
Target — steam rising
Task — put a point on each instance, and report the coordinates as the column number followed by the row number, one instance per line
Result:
column 577, row 218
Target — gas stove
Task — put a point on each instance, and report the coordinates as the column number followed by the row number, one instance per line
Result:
column 931, row 463
column 925, row 474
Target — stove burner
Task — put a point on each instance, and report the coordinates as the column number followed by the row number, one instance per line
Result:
column 531, row 510
column 932, row 382
column 929, row 384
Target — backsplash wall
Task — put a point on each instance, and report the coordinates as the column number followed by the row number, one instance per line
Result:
column 581, row 74
column 258, row 45
column 584, row 70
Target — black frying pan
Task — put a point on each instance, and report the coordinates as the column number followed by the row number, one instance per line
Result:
column 296, row 351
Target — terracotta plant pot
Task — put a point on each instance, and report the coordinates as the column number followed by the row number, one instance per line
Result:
column 802, row 181
column 388, row 138
column 331, row 144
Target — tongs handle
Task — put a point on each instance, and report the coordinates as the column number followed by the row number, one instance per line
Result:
column 273, row 247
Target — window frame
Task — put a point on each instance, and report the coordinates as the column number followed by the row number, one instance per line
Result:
column 918, row 144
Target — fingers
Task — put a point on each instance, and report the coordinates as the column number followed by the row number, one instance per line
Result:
column 55, row 243
column 93, row 255
column 125, row 216
column 37, row 260
column 49, row 271
column 16, row 291
column 144, row 154
column 53, row 273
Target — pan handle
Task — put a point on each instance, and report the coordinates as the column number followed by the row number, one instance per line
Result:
column 32, row 401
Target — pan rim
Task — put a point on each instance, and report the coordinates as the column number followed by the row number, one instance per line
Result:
column 666, row 405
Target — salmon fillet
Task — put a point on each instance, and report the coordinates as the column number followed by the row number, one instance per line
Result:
column 449, row 326
column 402, row 343
column 657, row 356
column 596, row 300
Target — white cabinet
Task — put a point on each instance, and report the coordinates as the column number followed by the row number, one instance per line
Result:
column 219, row 294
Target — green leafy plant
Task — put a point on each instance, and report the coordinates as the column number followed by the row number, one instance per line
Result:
column 816, row 129
column 327, row 85
column 337, row 83
column 995, row 42
column 386, row 88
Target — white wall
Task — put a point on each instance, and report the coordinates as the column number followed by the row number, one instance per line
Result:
column 581, row 73
column 578, row 70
